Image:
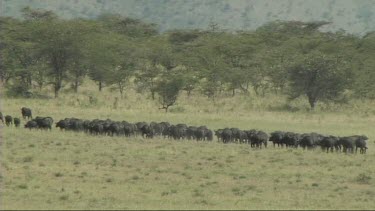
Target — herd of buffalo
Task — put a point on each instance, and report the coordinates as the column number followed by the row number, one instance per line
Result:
column 256, row 138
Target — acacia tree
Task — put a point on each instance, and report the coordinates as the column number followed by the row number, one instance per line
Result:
column 17, row 50
column 207, row 56
column 102, row 53
column 22, row 58
column 280, row 42
column 183, row 44
column 156, row 56
column 119, row 76
column 319, row 77
column 111, row 59
column 58, row 42
column 233, row 75
column 168, row 90
column 365, row 63
column 77, row 72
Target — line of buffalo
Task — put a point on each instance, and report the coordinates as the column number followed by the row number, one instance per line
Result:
column 256, row 138
column 290, row 139
column 147, row 130
column 9, row 120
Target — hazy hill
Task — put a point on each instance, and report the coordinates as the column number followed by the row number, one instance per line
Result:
column 354, row 16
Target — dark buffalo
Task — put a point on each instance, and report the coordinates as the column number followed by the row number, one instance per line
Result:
column 218, row 134
column 96, row 128
column 348, row 143
column 77, row 125
column 236, row 134
column 17, row 122
column 291, row 139
column 310, row 140
column 115, row 129
column 147, row 131
column 26, row 112
column 8, row 120
column 243, row 138
column 182, row 125
column 86, row 125
column 129, row 129
column 165, row 129
column 139, row 126
column 173, row 132
column 226, row 135
column 157, row 128
column 277, row 137
column 329, row 143
column 2, row 117
column 178, row 131
column 259, row 138
column 45, row 123
column 209, row 135
column 200, row 133
column 190, row 132
column 106, row 126
column 63, row 124
column 250, row 136
column 360, row 143
column 31, row 124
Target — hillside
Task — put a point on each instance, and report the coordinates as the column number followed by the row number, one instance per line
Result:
column 354, row 16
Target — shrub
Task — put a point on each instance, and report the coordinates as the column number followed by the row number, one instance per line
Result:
column 18, row 90
column 363, row 178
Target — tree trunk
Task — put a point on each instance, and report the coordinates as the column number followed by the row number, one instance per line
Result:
column 312, row 102
column 121, row 88
column 233, row 92
column 40, row 86
column 115, row 104
column 7, row 80
column 29, row 80
column 276, row 90
column 24, row 82
column 152, row 89
column 263, row 92
column 244, row 89
column 57, row 89
column 100, row 86
column 76, row 84
column 152, row 94
column 256, row 90
column 58, row 82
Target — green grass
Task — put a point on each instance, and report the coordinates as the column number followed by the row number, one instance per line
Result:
column 66, row 170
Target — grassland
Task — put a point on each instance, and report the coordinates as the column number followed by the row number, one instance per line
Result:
column 66, row 170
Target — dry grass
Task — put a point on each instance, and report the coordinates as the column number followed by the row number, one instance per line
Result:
column 65, row 170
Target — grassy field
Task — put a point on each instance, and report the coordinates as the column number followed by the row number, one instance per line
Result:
column 66, row 170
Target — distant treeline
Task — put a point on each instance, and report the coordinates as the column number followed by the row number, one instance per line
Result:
column 285, row 57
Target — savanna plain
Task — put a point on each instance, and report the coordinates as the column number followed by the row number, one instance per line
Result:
column 68, row 170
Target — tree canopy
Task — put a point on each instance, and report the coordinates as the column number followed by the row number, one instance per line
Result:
column 290, row 58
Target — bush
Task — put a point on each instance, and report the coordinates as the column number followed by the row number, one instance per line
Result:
column 18, row 90
column 177, row 109
column 363, row 178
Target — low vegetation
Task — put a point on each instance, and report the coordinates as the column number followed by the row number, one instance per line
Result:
column 286, row 58
column 66, row 170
